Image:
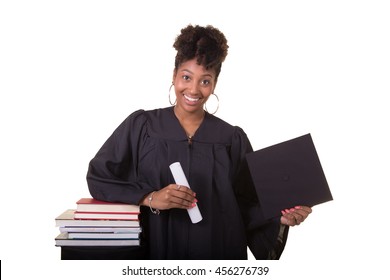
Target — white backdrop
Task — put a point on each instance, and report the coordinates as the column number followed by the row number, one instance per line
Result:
column 71, row 71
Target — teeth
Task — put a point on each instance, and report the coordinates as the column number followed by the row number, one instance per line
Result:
column 191, row 99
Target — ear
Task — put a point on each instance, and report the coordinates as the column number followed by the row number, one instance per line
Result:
column 215, row 84
column 174, row 75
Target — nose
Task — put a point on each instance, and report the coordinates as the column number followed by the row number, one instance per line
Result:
column 194, row 88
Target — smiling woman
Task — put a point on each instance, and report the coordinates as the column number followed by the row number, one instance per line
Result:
column 195, row 83
column 133, row 167
column 198, row 62
column 193, row 86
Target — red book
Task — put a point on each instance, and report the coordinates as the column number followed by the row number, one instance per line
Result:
column 99, row 206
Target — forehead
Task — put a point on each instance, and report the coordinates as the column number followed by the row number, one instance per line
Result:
column 193, row 67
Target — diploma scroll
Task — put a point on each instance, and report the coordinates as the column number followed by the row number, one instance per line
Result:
column 180, row 179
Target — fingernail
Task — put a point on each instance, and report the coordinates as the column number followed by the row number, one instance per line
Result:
column 298, row 207
column 193, row 204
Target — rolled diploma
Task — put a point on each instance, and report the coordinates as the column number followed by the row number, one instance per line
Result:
column 180, row 179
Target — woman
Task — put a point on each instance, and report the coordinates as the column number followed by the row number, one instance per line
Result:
column 133, row 167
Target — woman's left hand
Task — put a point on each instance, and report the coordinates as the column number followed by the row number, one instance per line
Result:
column 295, row 216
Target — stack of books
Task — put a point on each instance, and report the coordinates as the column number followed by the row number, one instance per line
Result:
column 99, row 223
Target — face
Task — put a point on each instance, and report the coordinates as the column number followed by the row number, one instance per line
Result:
column 193, row 86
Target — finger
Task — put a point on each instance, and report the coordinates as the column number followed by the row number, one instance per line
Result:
column 304, row 208
column 182, row 195
column 181, row 188
column 284, row 220
column 183, row 203
column 288, row 216
column 293, row 216
column 299, row 216
column 302, row 213
column 288, row 220
column 173, row 202
column 299, row 208
column 178, row 199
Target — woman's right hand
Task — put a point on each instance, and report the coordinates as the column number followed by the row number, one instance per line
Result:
column 172, row 196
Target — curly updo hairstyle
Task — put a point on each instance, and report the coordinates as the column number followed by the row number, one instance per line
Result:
column 207, row 44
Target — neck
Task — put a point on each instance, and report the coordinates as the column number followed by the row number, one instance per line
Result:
column 185, row 116
column 190, row 121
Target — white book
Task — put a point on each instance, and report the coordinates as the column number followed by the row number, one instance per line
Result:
column 63, row 240
column 102, row 235
column 101, row 229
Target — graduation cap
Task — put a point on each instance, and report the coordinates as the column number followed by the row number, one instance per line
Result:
column 288, row 174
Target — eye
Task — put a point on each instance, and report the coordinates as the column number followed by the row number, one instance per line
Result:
column 205, row 82
column 185, row 77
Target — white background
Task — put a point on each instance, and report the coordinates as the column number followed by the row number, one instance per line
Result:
column 71, row 71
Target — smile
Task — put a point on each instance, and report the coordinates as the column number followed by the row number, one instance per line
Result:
column 191, row 99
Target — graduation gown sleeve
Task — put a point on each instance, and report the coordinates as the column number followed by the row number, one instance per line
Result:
column 266, row 238
column 112, row 173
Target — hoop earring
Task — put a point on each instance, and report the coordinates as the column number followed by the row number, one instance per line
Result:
column 205, row 105
column 169, row 96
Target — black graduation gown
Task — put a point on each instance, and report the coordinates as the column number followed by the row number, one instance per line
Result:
column 135, row 160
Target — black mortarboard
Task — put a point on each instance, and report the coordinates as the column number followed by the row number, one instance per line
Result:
column 288, row 174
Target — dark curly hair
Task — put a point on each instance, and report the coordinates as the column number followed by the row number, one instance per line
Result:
column 207, row 44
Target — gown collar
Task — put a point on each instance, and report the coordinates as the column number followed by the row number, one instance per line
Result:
column 164, row 123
